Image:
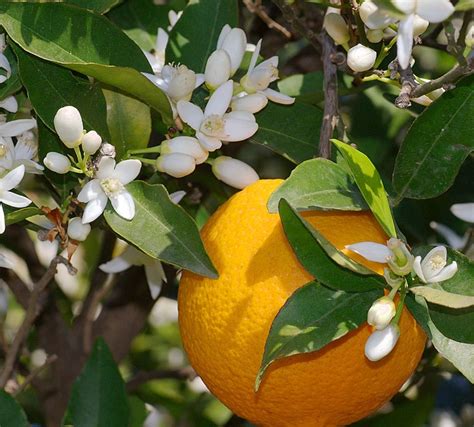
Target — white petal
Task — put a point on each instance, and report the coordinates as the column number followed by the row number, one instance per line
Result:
column 124, row 205
column 434, row 262
column 5, row 65
column 209, row 143
column 242, row 115
column 177, row 196
column 238, row 130
column 199, row 80
column 446, row 273
column 17, row 127
column 94, row 208
column 268, row 63
column 106, row 168
column 434, row 11
column 161, row 40
column 5, row 262
column 14, row 200
column 234, row 44
column 455, row 241
column 128, row 170
column 10, row 104
column 2, row 220
column 12, row 178
column 154, row 276
column 234, row 172
column 372, row 251
column 157, row 81
column 190, row 114
column 381, row 343
column 115, row 265
column 418, row 270
column 220, row 99
column 154, row 63
column 406, row 6
column 226, row 29
column 217, row 69
column 278, row 97
column 464, row 211
column 254, row 59
column 252, row 103
column 90, row 191
column 405, row 41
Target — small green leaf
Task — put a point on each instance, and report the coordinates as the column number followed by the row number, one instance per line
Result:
column 98, row 394
column 318, row 184
column 317, row 262
column 313, row 317
column 371, row 186
column 436, row 295
column 13, row 215
column 129, row 122
column 305, row 87
column 11, row 413
column 162, row 229
column 290, row 130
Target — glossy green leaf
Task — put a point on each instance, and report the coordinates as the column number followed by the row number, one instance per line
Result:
column 461, row 355
column 51, row 87
column 14, row 215
column 436, row 145
column 105, row 52
column 129, row 122
column 138, row 412
column 11, row 413
column 317, row 262
column 369, row 183
column 195, row 35
column 305, row 87
column 313, row 317
column 318, row 184
column 162, row 229
column 289, row 130
column 436, row 295
column 98, row 394
column 99, row 6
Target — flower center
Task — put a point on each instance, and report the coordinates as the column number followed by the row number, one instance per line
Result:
column 213, row 125
column 437, row 262
column 3, row 150
column 111, row 186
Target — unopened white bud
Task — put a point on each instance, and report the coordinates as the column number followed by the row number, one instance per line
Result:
column 374, row 36
column 176, row 164
column 185, row 145
column 217, row 69
column 469, row 40
column 234, row 43
column 234, row 172
column 76, row 230
column 91, row 142
column 381, row 313
column 361, row 58
column 381, row 343
column 181, row 85
column 373, row 17
column 336, row 27
column 252, row 103
column 57, row 162
column 419, row 26
column 68, row 125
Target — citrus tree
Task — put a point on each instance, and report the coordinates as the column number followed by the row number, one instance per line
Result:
column 294, row 178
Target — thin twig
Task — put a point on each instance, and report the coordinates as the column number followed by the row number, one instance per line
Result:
column 140, row 378
column 31, row 314
column 34, row 373
column 407, row 80
column 255, row 6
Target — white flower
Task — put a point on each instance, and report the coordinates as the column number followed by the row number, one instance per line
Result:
column 252, row 103
column 109, row 183
column 381, row 343
column 429, row 10
column 217, row 69
column 91, row 142
column 176, row 164
column 234, row 172
column 381, row 313
column 371, row 251
column 185, row 145
column 373, row 17
column 76, row 230
column 361, row 58
column 22, row 153
column 234, row 42
column 157, row 58
column 454, row 240
column 212, row 125
column 4, row 64
column 336, row 26
column 69, row 127
column 153, row 269
column 57, row 162
column 10, row 104
column 464, row 211
column 433, row 268
column 259, row 77
column 10, row 181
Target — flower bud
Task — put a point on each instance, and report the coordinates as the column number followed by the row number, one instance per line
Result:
column 57, row 162
column 217, row 69
column 68, row 125
column 381, row 343
column 91, row 142
column 374, row 36
column 181, row 85
column 233, row 172
column 381, row 313
column 185, row 145
column 361, row 58
column 176, row 164
column 401, row 262
column 373, row 17
column 419, row 26
column 336, row 27
column 76, row 230
column 234, row 43
column 252, row 103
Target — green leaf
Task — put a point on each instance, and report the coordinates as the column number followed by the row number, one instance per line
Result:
column 138, row 412
column 104, row 52
column 318, row 184
column 371, row 186
column 289, row 130
column 194, row 37
column 305, row 87
column 13, row 84
column 461, row 355
column 99, row 6
column 162, row 229
column 98, row 394
column 436, row 145
column 11, row 413
column 464, row 5
column 13, row 215
column 317, row 262
column 436, row 295
column 129, row 122
column 313, row 317
column 51, row 87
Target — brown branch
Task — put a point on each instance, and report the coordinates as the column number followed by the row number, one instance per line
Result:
column 34, row 373
column 256, row 7
column 17, row 287
column 407, row 80
column 31, row 314
column 140, row 378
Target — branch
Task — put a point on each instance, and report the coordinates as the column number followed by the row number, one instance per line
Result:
column 140, row 378
column 255, row 6
column 31, row 377
column 407, row 80
column 30, row 316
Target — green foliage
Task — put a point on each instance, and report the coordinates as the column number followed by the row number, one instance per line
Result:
column 304, row 87
column 13, row 84
column 11, row 414
column 13, row 215
column 99, row 6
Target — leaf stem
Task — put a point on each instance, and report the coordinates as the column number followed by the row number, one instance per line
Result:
column 149, row 150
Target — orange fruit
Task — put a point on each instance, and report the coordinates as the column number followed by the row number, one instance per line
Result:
column 224, row 323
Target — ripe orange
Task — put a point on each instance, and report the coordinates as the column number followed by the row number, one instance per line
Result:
column 224, row 323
